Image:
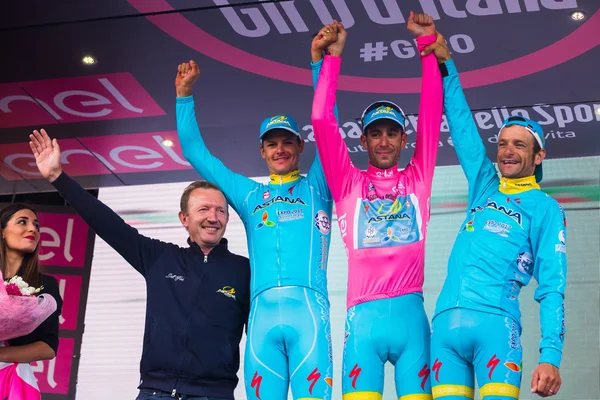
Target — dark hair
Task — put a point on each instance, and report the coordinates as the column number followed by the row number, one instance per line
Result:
column 536, row 147
column 30, row 266
column 185, row 197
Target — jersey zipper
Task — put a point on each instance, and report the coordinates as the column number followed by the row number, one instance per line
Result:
column 205, row 258
column 277, row 237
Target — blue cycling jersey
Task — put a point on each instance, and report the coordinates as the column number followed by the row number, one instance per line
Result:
column 512, row 231
column 288, row 220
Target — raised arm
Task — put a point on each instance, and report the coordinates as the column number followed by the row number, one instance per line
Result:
column 430, row 108
column 319, row 46
column 139, row 251
column 337, row 165
column 235, row 186
column 479, row 170
column 548, row 240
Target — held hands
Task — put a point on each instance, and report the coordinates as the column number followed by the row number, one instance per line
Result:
column 546, row 380
column 332, row 38
column 420, row 24
column 439, row 48
column 47, row 154
column 187, row 75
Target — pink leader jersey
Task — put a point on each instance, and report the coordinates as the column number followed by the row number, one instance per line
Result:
column 382, row 214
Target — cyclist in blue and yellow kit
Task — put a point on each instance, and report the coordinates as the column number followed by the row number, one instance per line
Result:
column 512, row 231
column 288, row 230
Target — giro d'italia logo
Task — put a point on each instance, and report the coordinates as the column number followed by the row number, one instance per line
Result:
column 293, row 17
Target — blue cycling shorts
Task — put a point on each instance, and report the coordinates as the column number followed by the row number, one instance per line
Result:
column 466, row 344
column 394, row 330
column 289, row 341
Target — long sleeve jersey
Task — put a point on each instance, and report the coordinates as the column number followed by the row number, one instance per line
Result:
column 512, row 231
column 382, row 214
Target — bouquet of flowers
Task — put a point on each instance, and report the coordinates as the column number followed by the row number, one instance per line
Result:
column 21, row 308
column 16, row 286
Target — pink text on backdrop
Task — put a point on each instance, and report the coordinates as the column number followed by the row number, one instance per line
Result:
column 63, row 240
column 137, row 152
column 53, row 376
column 69, row 287
column 88, row 98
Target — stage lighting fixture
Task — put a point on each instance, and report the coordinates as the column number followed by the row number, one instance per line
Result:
column 88, row 60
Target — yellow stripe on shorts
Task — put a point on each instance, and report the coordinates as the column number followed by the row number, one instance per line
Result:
column 452, row 390
column 416, row 397
column 499, row 389
column 362, row 396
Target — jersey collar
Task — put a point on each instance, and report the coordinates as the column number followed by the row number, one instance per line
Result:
column 377, row 173
column 283, row 179
column 513, row 186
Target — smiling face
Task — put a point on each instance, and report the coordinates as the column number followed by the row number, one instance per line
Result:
column 22, row 232
column 516, row 156
column 206, row 217
column 384, row 141
column 281, row 150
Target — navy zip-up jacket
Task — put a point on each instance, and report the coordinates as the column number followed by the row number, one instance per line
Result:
column 196, row 304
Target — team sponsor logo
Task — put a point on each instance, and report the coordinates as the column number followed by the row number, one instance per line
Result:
column 227, row 291
column 469, row 226
column 266, row 195
column 507, row 211
column 393, row 217
column 279, row 119
column 370, row 232
column 290, row 215
column 525, row 263
column 278, row 199
column 562, row 215
column 563, row 329
column 437, row 365
column 514, row 366
column 313, row 377
column 492, row 364
column 322, row 222
column 561, row 248
column 424, row 374
column 356, row 370
column 323, row 253
column 265, row 221
column 496, row 227
column 514, row 342
column 255, row 383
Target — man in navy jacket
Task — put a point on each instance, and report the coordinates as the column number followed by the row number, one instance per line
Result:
column 198, row 297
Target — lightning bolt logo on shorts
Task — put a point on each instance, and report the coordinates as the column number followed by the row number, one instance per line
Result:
column 424, row 373
column 354, row 375
column 314, row 377
column 256, row 381
column 436, row 367
column 492, row 364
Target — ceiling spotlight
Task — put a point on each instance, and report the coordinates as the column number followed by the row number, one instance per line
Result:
column 577, row 15
column 88, row 60
column 598, row 110
column 168, row 143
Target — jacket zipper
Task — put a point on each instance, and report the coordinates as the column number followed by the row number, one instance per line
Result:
column 185, row 328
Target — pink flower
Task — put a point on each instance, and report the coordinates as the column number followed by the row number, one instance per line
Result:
column 13, row 290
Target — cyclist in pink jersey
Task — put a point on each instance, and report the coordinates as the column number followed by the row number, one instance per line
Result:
column 383, row 215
